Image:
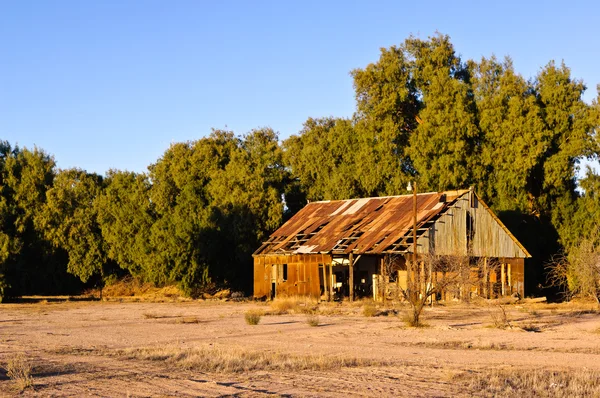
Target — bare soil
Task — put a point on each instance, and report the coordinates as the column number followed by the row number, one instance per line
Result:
column 74, row 348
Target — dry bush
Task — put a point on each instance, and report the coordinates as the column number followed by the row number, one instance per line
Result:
column 499, row 317
column 253, row 317
column 238, row 360
column 312, row 320
column 533, row 383
column 369, row 310
column 18, row 370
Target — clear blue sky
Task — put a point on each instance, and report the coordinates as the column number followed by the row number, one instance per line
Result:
column 110, row 84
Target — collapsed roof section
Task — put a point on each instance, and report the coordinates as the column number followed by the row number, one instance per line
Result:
column 362, row 226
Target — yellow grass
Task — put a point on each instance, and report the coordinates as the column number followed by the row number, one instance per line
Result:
column 130, row 287
column 238, row 360
column 533, row 383
column 18, row 369
column 253, row 317
column 293, row 305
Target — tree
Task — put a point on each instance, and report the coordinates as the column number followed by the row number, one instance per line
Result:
column 69, row 221
column 125, row 216
column 28, row 262
column 444, row 147
column 440, row 274
column 323, row 159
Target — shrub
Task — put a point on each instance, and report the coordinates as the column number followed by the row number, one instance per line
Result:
column 312, row 320
column 19, row 370
column 499, row 317
column 369, row 310
column 253, row 317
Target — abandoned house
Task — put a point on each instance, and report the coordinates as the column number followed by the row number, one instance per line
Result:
column 343, row 248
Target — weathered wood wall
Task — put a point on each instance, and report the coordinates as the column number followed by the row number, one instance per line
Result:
column 448, row 235
column 302, row 274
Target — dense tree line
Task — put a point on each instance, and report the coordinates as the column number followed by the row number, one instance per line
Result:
column 198, row 213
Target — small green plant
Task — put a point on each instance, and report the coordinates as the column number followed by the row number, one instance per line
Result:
column 253, row 317
column 18, row 369
column 369, row 310
column 312, row 320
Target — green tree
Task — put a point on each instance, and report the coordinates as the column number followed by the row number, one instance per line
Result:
column 69, row 221
column 125, row 216
column 29, row 264
column 445, row 147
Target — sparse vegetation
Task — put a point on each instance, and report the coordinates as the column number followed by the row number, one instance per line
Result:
column 293, row 305
column 18, row 369
column 253, row 317
column 533, row 383
column 369, row 310
column 237, row 360
column 188, row 319
column 312, row 320
column 498, row 316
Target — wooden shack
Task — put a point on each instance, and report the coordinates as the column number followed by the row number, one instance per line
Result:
column 339, row 246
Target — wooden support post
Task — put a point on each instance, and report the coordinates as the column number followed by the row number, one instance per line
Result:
column 485, row 277
column 351, row 277
column 431, row 280
column 422, row 280
column 383, row 284
column 325, row 288
column 503, row 279
column 331, row 280
column 509, row 278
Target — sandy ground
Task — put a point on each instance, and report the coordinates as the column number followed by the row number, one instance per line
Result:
column 70, row 346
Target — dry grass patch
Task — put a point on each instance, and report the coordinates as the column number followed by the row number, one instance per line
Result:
column 238, row 360
column 18, row 369
column 458, row 345
column 533, row 383
column 369, row 310
column 293, row 305
column 142, row 291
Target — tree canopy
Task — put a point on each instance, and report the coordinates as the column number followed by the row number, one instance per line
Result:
column 422, row 114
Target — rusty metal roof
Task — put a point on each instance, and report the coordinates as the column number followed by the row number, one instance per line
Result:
column 367, row 225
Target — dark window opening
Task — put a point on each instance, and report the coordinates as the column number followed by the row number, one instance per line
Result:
column 470, row 230
column 284, row 274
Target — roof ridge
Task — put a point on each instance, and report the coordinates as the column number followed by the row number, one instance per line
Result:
column 458, row 192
